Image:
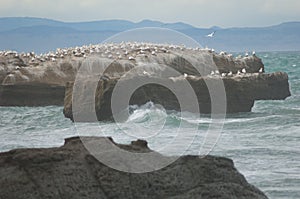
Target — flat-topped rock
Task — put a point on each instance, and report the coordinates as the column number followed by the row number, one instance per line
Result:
column 61, row 66
column 55, row 69
column 71, row 172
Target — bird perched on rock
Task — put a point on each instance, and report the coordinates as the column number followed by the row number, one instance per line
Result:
column 244, row 70
column 145, row 73
column 261, row 70
column 222, row 53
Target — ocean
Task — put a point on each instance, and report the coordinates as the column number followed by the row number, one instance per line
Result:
column 264, row 144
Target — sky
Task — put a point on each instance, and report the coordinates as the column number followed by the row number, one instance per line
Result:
column 199, row 13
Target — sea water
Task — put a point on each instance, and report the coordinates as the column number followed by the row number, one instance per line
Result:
column 264, row 144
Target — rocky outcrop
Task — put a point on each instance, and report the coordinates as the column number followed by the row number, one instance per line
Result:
column 58, row 68
column 31, row 95
column 241, row 92
column 71, row 172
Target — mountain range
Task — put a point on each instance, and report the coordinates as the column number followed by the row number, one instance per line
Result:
column 43, row 35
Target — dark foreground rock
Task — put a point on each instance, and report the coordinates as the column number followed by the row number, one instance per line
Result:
column 71, row 172
column 241, row 93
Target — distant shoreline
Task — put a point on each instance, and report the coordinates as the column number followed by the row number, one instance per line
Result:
column 43, row 35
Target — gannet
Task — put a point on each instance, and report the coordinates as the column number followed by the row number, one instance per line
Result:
column 145, row 73
column 222, row 53
column 211, row 34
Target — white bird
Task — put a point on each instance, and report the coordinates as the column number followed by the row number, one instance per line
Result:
column 212, row 73
column 217, row 72
column 145, row 73
column 246, row 54
column 244, row 70
column 223, row 74
column 238, row 72
column 230, row 73
column 261, row 70
column 253, row 53
column 222, row 53
column 131, row 58
column 185, row 75
column 211, row 34
column 17, row 67
column 164, row 50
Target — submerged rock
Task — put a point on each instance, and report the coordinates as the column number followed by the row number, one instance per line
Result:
column 71, row 172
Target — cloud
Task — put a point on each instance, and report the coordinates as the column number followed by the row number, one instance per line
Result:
column 202, row 13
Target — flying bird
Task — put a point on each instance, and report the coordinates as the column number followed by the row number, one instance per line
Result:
column 211, row 34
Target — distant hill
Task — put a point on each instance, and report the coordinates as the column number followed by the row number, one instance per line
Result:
column 42, row 35
column 11, row 23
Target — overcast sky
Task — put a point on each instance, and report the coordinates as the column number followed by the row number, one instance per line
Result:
column 200, row 13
